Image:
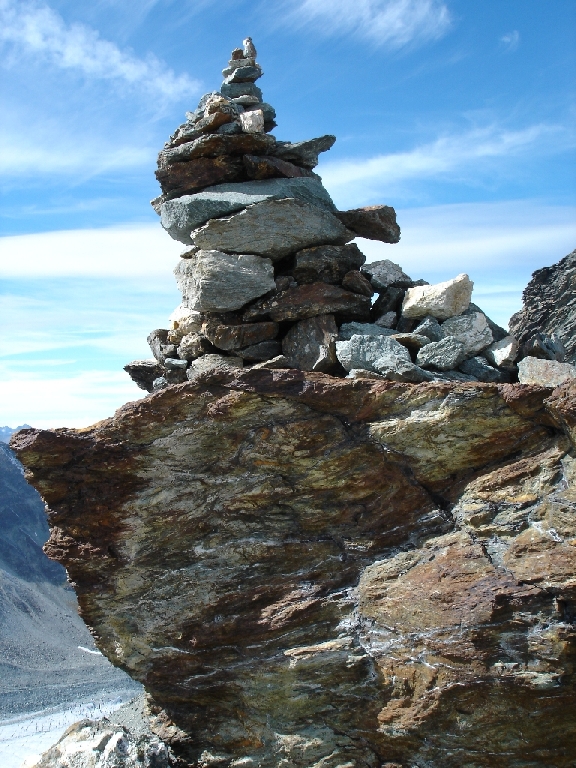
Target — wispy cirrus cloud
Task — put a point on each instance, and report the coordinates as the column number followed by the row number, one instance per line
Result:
column 389, row 23
column 34, row 29
column 510, row 41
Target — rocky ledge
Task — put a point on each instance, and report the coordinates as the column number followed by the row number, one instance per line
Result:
column 306, row 570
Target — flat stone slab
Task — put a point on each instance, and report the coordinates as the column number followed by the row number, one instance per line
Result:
column 308, row 189
column 193, row 175
column 212, row 281
column 229, row 337
column 374, row 222
column 264, row 167
column 326, row 263
column 478, row 368
column 274, row 229
column 303, row 301
column 347, row 330
column 544, row 373
column 304, row 152
column 384, row 274
column 442, row 300
column 215, row 144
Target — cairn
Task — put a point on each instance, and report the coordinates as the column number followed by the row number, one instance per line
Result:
column 270, row 277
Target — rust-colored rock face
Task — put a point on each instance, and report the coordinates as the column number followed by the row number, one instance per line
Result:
column 309, row 571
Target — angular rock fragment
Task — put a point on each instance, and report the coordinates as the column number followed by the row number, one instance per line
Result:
column 326, row 263
column 214, row 145
column 253, row 121
column 503, row 353
column 275, row 363
column 229, row 337
column 212, row 363
column 234, row 90
column 310, row 344
column 264, row 350
column 356, row 282
column 385, row 274
column 193, row 175
column 472, row 330
column 375, row 222
column 183, row 321
column 246, row 74
column 347, row 330
column 444, row 355
column 263, row 167
column 158, row 343
column 389, row 300
column 387, row 320
column 481, row 371
column 393, row 368
column 274, row 229
column 442, row 300
column 544, row 347
column 191, row 346
column 213, row 281
column 498, row 332
column 144, row 372
column 364, row 351
column 430, row 327
column 304, row 301
column 544, row 373
column 304, row 152
column 412, row 341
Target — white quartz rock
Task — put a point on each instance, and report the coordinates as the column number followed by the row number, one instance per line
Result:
column 442, row 300
column 502, row 353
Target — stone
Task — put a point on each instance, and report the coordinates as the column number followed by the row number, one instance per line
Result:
column 102, row 744
column 267, row 110
column 229, row 337
column 545, row 373
column 356, row 282
column 263, row 167
column 238, row 64
column 212, row 363
column 412, row 341
column 183, row 321
column 234, row 90
column 158, row 343
column 191, row 346
column 471, row 330
column 550, row 306
column 246, row 101
column 375, row 222
column 248, row 74
column 393, row 368
column 216, row 144
column 544, row 347
column 143, row 372
column 450, row 376
column 481, row 371
column 175, row 364
column 304, row 301
column 389, row 300
column 326, row 263
column 406, row 324
column 364, row 351
column 230, row 129
column 503, row 353
column 430, row 327
column 444, row 355
column 275, row 363
column 213, row 281
column 193, row 175
column 252, row 122
column 310, row 190
column 304, row 153
column 498, row 332
column 375, row 553
column 347, row 330
column 387, row 320
column 385, row 274
column 310, row 344
column 442, row 301
column 264, row 350
column 273, row 228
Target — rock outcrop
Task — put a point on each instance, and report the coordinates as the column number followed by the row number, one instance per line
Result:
column 306, row 570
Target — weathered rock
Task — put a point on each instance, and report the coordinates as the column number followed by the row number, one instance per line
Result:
column 347, row 330
column 412, row 341
column 498, row 332
column 214, row 145
column 274, row 228
column 246, row 74
column 481, row 371
column 253, row 121
column 234, row 518
column 310, row 344
column 544, row 373
column 102, row 744
column 389, row 300
column 212, row 364
column 275, row 363
column 385, row 274
column 503, row 353
column 213, row 281
column 442, row 300
column 375, row 222
column 304, row 152
column 471, row 330
column 143, row 372
column 234, row 90
column 192, row 345
column 387, row 320
column 430, row 327
column 310, row 190
column 444, row 355
column 264, row 350
column 193, row 175
column 326, row 263
column 304, row 301
column 365, row 351
column 183, row 321
column 393, row 368
column 544, row 347
column 262, row 167
column 175, row 364
column 356, row 282
column 158, row 343
column 550, row 306
column 229, row 337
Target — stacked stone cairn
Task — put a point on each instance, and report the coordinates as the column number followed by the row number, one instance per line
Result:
column 270, row 277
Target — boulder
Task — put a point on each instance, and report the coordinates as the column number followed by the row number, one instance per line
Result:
column 481, row 371
column 212, row 363
column 375, row 222
column 229, row 337
column 262, row 167
column 442, row 300
column 544, row 347
column 503, row 353
column 143, row 373
column 364, row 351
column 356, row 282
column 274, row 228
column 310, row 344
column 471, row 330
column 430, row 327
column 213, row 281
column 498, row 332
column 444, row 355
column 326, row 263
column 304, row 301
column 544, row 373
column 304, row 152
column 216, row 144
column 385, row 274
column 246, row 74
column 347, row 330
column 193, row 175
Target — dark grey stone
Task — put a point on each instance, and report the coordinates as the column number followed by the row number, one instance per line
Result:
column 365, row 351
column 174, row 363
column 144, row 372
column 478, row 368
column 304, row 152
column 234, row 90
column 264, row 350
column 389, row 300
column 310, row 344
column 397, row 369
column 445, row 355
column 243, row 75
column 543, row 347
column 157, row 341
column 498, row 333
column 430, row 327
column 347, row 330
column 326, row 263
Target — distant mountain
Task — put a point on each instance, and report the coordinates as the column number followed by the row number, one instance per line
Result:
column 7, row 432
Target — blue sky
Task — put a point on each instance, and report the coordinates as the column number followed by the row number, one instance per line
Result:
column 459, row 114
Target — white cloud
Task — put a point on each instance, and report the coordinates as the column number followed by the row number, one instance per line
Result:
column 34, row 28
column 139, row 251
column 510, row 41
column 391, row 23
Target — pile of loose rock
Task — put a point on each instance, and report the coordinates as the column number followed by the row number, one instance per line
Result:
column 271, row 278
